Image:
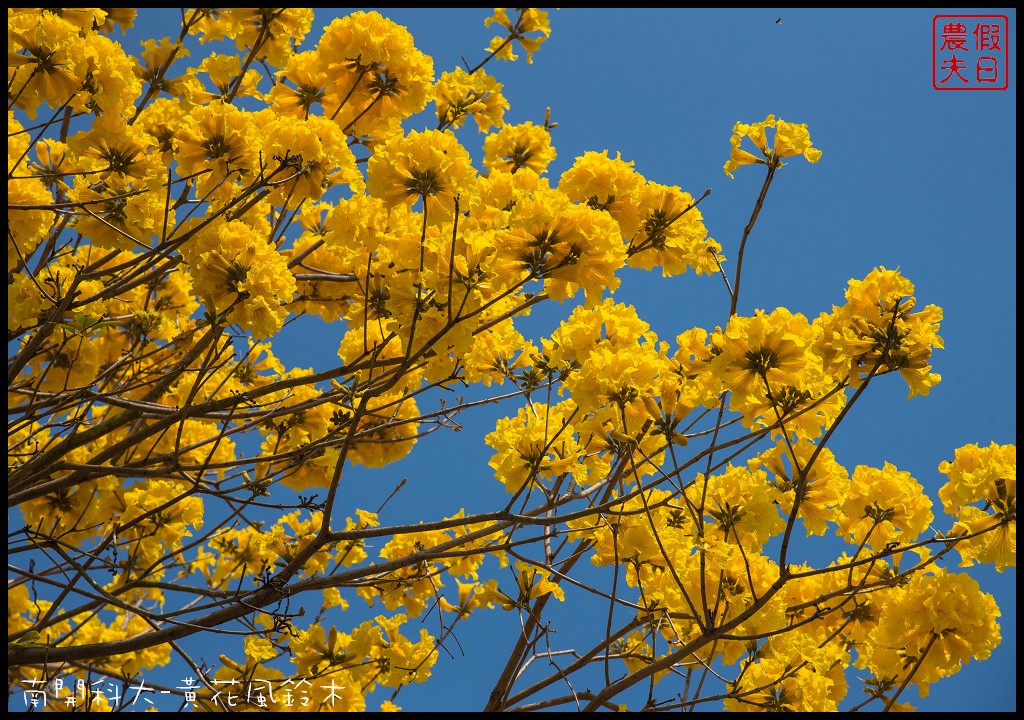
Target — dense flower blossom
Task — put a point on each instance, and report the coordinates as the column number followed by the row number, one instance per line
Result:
column 375, row 74
column 763, row 353
column 431, row 166
column 672, row 234
column 884, row 505
column 941, row 620
column 42, row 59
column 236, row 270
column 459, row 95
column 515, row 147
column 168, row 213
column 986, row 475
column 877, row 332
column 609, row 184
column 267, row 32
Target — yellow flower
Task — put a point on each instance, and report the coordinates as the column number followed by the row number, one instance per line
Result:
column 883, row 506
column 987, row 476
column 223, row 71
column 822, row 490
column 233, row 266
column 154, row 62
column 790, row 139
column 610, row 325
column 125, row 17
column 996, row 540
column 496, row 353
column 42, row 56
column 215, row 143
column 84, row 19
column 430, row 165
column 309, row 78
column 794, row 139
column 739, row 156
column 494, row 197
column 629, row 536
column 386, row 433
column 803, row 410
column 375, row 74
column 310, row 153
column 672, row 234
column 791, row 673
column 530, row 20
column 570, row 246
column 161, row 120
column 277, row 29
column 118, row 215
column 943, row 620
column 519, row 146
column 538, row 444
column 768, row 349
column 259, row 648
column 25, row 228
column 604, row 183
column 76, row 513
column 111, row 146
column 620, row 377
column 531, row 582
column 459, row 94
column 313, row 650
column 112, row 87
column 742, row 506
column 875, row 331
column 469, row 600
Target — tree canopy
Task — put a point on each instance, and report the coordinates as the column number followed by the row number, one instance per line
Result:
column 180, row 495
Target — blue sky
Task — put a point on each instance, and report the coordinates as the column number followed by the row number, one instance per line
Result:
column 910, row 177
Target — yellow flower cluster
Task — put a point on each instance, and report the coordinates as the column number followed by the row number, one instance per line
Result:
column 431, row 166
column 276, row 30
column 213, row 144
column 877, row 332
column 75, row 513
column 571, row 246
column 535, row 446
column 375, row 653
column 417, row 585
column 937, row 622
column 164, row 215
column 822, row 486
column 605, row 183
column 531, row 582
column 530, row 20
column 883, row 506
column 790, row 139
column 515, row 147
column 235, row 270
column 374, row 73
column 459, row 94
column 986, row 475
column 639, row 531
column 313, row 153
column 672, row 234
column 26, row 227
column 53, row 60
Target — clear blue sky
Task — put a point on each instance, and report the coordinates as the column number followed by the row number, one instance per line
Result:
column 911, row 177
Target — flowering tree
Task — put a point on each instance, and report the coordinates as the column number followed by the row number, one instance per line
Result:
column 177, row 488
